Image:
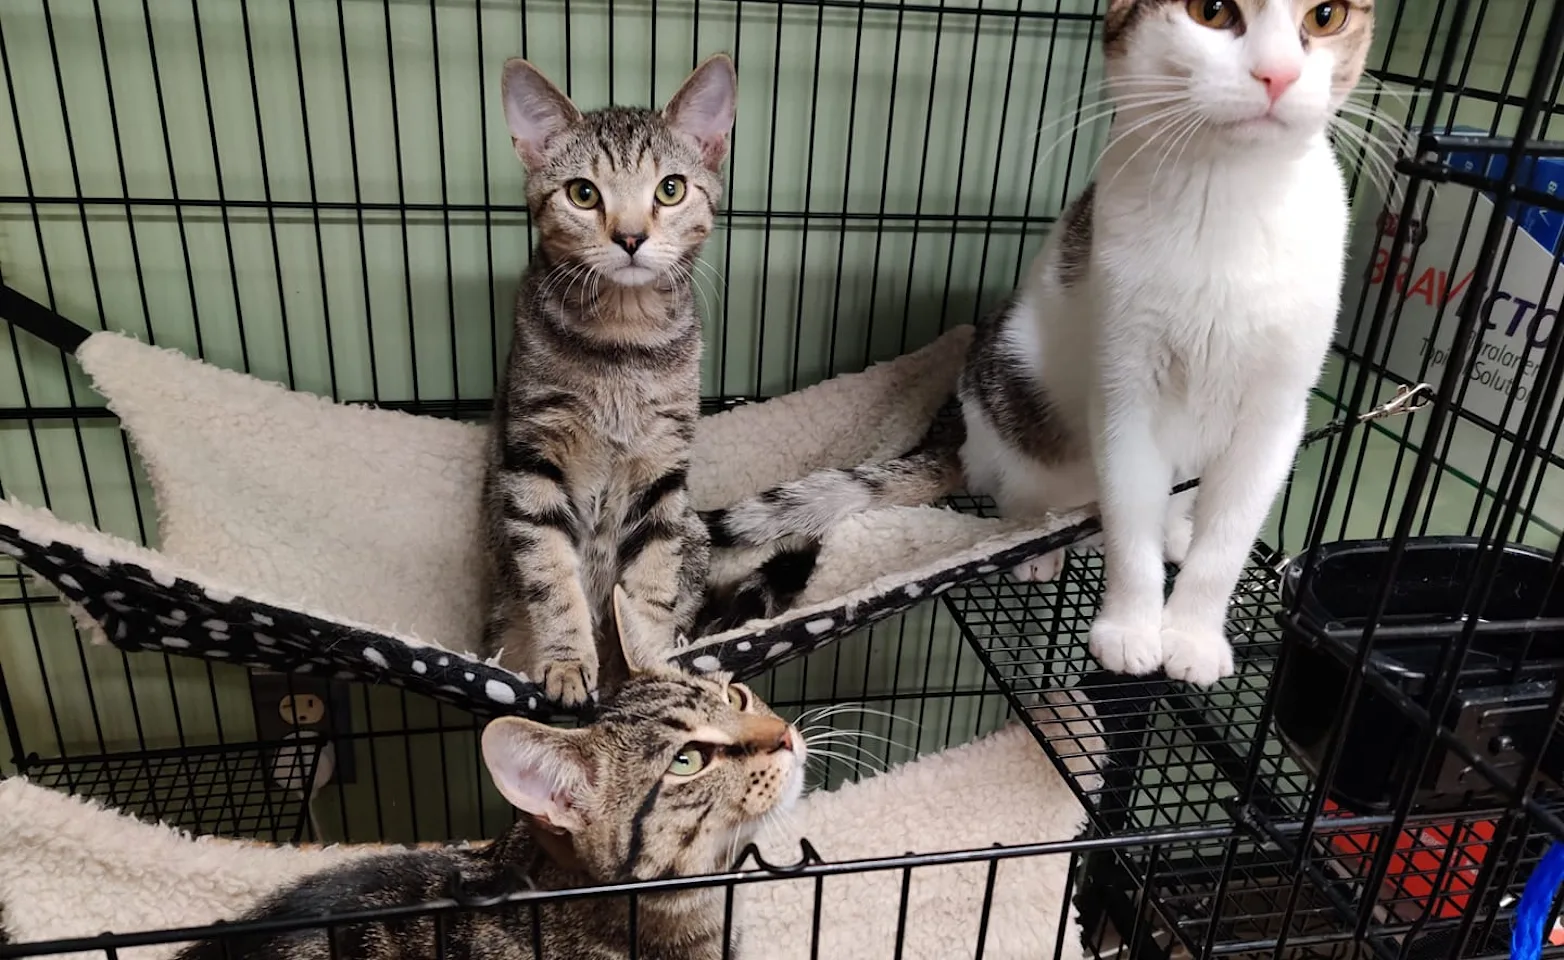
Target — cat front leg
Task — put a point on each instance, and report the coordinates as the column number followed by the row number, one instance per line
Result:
column 543, row 623
column 1133, row 476
column 664, row 555
column 547, row 623
column 1235, row 493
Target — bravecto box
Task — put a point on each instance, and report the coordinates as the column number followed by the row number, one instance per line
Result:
column 1518, row 312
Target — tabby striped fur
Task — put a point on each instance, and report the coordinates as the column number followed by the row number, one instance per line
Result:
column 604, row 803
column 593, row 420
column 765, row 547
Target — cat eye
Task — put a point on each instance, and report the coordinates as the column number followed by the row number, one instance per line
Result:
column 583, row 194
column 1325, row 19
column 738, row 696
column 1216, row 14
column 670, row 191
column 690, row 760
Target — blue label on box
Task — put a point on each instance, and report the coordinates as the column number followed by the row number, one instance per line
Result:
column 1545, row 226
column 1463, row 160
column 1543, row 174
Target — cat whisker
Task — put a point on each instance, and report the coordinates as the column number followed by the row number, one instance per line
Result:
column 1164, row 116
column 589, row 275
column 1355, row 136
column 1112, row 88
column 836, row 735
column 828, row 742
column 857, row 763
column 1179, row 138
column 1160, row 122
column 710, row 298
column 1128, row 84
column 1375, row 157
column 831, row 710
column 1376, row 117
column 864, row 755
column 1106, row 108
column 855, row 768
column 1111, row 100
column 711, row 271
column 1200, row 122
column 714, row 288
column 1388, row 88
column 1379, row 181
column 557, row 276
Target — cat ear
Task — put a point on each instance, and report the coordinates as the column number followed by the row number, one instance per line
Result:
column 535, row 110
column 703, row 107
column 641, row 655
column 539, row 769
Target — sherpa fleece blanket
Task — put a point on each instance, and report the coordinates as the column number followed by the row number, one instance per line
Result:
column 304, row 535
column 71, row 868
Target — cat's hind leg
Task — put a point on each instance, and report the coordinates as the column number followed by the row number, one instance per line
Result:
column 1033, row 502
column 1024, row 488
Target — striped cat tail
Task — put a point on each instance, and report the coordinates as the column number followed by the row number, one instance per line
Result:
column 812, row 505
column 764, row 549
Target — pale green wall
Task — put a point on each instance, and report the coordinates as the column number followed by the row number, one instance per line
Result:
column 786, row 315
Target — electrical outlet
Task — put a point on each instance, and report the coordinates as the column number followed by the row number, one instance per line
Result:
column 302, row 710
column 291, row 705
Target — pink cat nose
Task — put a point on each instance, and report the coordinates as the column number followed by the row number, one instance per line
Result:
column 629, row 241
column 1277, row 78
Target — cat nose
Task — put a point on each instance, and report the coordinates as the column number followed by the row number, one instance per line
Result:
column 787, row 740
column 629, row 241
column 1277, row 78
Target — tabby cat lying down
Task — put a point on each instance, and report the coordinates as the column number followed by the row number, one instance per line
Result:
column 672, row 777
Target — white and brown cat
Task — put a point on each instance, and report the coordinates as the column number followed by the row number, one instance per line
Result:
column 1173, row 326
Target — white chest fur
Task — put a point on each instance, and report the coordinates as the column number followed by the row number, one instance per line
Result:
column 1218, row 284
column 1186, row 347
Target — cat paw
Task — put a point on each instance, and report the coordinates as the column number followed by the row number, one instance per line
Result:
column 1197, row 655
column 1124, row 648
column 569, row 682
column 1040, row 569
column 1180, row 531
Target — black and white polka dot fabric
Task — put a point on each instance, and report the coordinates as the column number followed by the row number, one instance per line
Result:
column 142, row 610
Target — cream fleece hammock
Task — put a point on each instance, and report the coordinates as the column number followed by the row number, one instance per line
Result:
column 70, row 868
column 308, row 536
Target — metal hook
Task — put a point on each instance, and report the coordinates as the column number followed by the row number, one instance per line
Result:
column 1407, row 399
column 808, row 857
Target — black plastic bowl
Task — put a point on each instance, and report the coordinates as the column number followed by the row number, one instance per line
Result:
column 1500, row 709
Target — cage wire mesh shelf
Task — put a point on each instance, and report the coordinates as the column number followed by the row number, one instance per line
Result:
column 223, row 790
column 1176, row 758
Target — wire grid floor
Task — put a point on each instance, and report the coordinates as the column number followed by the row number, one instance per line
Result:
column 1186, row 746
column 226, row 790
column 1173, row 756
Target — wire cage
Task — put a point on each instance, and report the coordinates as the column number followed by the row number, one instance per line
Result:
column 319, row 192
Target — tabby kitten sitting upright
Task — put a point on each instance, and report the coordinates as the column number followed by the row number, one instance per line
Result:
column 673, row 776
column 593, row 420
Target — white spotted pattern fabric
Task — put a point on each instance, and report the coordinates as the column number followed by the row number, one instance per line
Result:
column 362, row 565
